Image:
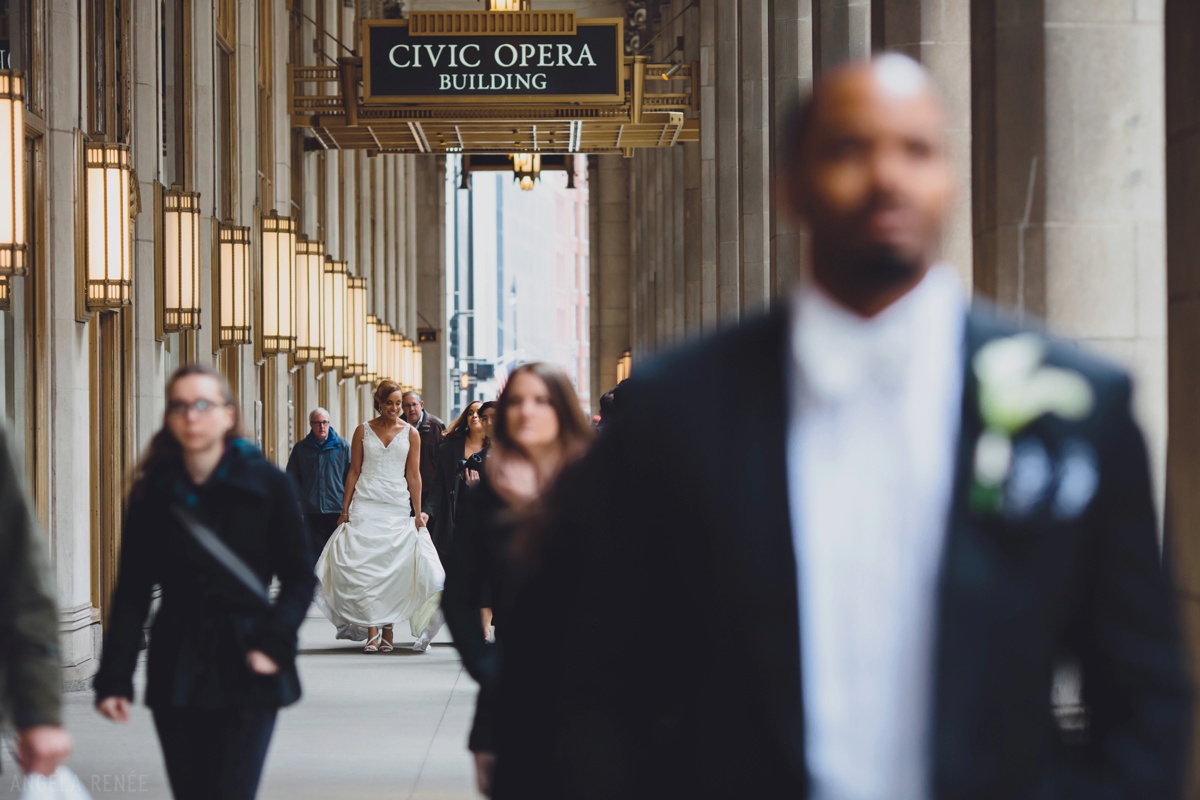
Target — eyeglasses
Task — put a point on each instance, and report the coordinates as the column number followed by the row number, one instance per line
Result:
column 180, row 408
column 319, row 422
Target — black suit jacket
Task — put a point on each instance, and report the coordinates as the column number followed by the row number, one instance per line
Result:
column 658, row 652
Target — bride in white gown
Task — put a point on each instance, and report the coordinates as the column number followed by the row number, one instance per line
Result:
column 379, row 567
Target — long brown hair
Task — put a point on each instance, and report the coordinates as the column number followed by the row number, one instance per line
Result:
column 163, row 450
column 460, row 426
column 574, row 431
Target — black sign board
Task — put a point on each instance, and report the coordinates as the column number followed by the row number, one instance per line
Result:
column 586, row 66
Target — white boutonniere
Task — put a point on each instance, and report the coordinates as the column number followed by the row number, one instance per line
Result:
column 1015, row 389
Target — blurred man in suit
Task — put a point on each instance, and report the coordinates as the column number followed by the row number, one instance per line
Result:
column 934, row 506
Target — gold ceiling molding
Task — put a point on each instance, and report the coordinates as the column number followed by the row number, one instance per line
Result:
column 492, row 23
column 326, row 102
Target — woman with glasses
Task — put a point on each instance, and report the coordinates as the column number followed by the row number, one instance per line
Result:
column 211, row 522
column 380, row 566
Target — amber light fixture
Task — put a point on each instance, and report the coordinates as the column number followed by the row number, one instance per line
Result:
column 5, row 293
column 406, row 365
column 418, row 369
column 624, row 366
column 527, row 168
column 12, row 173
column 397, row 357
column 383, row 351
column 356, row 327
column 179, row 270
column 278, row 290
column 337, row 285
column 371, row 343
column 109, row 271
column 233, row 285
column 508, row 5
column 310, row 317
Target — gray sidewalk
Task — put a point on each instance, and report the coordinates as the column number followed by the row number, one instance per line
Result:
column 379, row 726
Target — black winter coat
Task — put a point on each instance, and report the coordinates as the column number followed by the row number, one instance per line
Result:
column 443, row 500
column 206, row 623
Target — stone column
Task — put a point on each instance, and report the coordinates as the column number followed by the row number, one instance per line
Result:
column 791, row 78
column 608, row 204
column 728, row 112
column 709, row 306
column 1073, row 179
column 756, row 155
column 1183, row 314
column 938, row 34
column 841, row 31
column 693, row 228
column 69, row 520
column 431, row 278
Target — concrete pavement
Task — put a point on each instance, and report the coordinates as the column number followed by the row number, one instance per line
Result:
column 370, row 727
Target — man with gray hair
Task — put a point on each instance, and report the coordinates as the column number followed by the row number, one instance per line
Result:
column 431, row 430
column 318, row 465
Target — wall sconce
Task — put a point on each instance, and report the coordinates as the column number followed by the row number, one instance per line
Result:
column 383, row 351
column 397, row 356
column 337, row 284
column 178, row 286
column 527, row 168
column 418, row 369
column 371, row 343
column 356, row 327
column 310, row 319
column 406, row 364
column 12, row 173
column 233, row 285
column 107, row 274
column 278, row 284
column 624, row 366
column 5, row 293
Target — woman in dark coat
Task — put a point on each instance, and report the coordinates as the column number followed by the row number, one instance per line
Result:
column 464, row 438
column 539, row 430
column 222, row 657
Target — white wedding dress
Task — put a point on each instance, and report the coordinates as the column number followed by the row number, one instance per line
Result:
column 379, row 568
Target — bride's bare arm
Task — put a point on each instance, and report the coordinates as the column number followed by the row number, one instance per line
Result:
column 356, row 458
column 412, row 471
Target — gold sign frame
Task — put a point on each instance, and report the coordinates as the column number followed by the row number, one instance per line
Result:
column 457, row 24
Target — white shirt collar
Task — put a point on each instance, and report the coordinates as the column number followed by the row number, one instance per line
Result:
column 837, row 352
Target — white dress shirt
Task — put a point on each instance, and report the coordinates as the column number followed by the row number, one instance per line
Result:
column 873, row 428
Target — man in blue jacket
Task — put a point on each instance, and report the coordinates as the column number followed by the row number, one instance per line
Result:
column 318, row 465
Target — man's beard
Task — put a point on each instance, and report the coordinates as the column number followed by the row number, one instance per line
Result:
column 884, row 267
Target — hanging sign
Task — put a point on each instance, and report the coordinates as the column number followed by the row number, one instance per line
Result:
column 423, row 69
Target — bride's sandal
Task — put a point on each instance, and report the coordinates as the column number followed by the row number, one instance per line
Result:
column 373, row 643
column 386, row 646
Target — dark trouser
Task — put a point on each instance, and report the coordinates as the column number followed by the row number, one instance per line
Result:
column 321, row 527
column 214, row 753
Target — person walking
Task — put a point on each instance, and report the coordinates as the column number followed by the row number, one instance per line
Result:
column 935, row 504
column 318, row 465
column 540, row 429
column 431, row 430
column 30, row 675
column 380, row 566
column 211, row 522
column 460, row 459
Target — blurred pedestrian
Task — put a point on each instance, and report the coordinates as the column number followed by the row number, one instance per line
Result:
column 487, row 415
column 381, row 567
column 432, row 431
column 934, row 504
column 30, row 675
column 540, row 429
column 318, row 466
column 607, row 405
column 460, row 459
column 211, row 522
